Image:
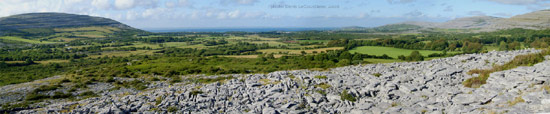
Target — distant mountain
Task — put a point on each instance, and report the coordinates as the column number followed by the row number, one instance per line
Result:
column 392, row 28
column 31, row 21
column 534, row 20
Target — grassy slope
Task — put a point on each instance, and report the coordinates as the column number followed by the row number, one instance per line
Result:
column 25, row 40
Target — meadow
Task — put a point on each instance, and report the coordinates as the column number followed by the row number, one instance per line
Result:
column 390, row 51
column 25, row 40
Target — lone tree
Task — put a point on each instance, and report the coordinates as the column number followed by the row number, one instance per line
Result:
column 415, row 56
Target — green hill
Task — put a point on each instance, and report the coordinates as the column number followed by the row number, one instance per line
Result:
column 59, row 27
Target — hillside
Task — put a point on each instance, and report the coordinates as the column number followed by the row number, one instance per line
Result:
column 57, row 27
column 55, row 20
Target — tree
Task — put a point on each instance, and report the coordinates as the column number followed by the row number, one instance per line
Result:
column 416, row 56
column 261, row 58
column 3, row 64
column 514, row 45
column 503, row 46
column 472, row 47
column 29, row 61
column 344, row 62
column 270, row 56
column 357, row 57
column 345, row 55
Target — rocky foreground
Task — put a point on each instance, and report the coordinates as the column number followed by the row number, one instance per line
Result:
column 411, row 87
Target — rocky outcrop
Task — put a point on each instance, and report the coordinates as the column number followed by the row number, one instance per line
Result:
column 411, row 87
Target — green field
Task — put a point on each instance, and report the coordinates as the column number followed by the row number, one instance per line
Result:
column 390, row 51
column 25, row 40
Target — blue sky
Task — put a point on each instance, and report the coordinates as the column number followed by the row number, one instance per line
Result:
column 274, row 13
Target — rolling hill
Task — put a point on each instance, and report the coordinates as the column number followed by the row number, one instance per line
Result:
column 535, row 20
column 58, row 27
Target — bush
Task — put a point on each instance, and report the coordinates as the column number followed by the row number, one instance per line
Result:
column 196, row 92
column 346, row 96
column 60, row 95
column 175, row 79
column 46, row 88
column 36, row 96
column 322, row 92
column 65, row 80
column 172, row 109
column 377, row 74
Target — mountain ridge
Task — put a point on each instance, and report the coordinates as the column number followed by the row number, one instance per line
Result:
column 534, row 20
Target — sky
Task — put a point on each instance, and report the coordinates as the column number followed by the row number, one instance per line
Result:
column 158, row 14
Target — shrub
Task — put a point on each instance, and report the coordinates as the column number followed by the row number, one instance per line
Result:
column 377, row 74
column 196, row 92
column 65, row 80
column 346, row 96
column 158, row 100
column 175, row 79
column 36, row 96
column 322, row 92
column 60, row 95
column 46, row 88
column 172, row 109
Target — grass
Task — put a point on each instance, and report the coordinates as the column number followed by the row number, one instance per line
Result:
column 520, row 60
column 346, row 96
column 517, row 100
column 321, row 77
column 323, row 85
column 491, row 48
column 211, row 80
column 104, row 29
column 25, row 40
column 390, row 51
column 382, row 60
column 52, row 61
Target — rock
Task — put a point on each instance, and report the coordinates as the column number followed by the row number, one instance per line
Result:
column 269, row 111
column 465, row 99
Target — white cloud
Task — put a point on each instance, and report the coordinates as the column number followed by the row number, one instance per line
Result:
column 414, row 13
column 102, row 4
column 476, row 13
column 234, row 14
column 124, row 4
column 179, row 3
